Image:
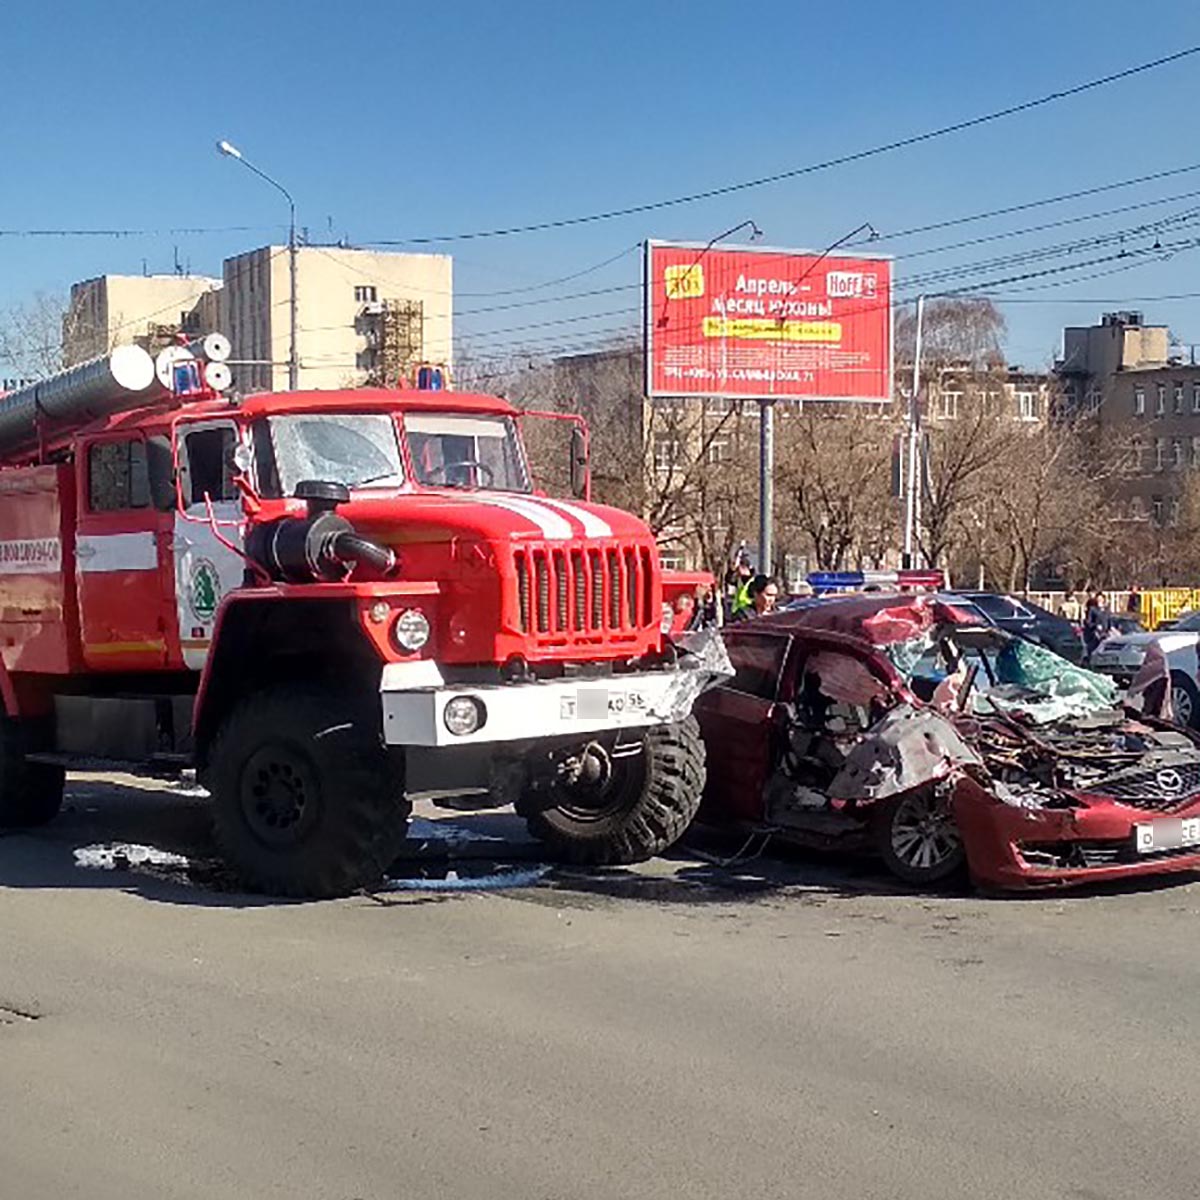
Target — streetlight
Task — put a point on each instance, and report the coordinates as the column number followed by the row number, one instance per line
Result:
column 229, row 150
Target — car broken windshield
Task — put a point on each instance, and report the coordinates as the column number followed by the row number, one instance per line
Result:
column 458, row 450
column 986, row 671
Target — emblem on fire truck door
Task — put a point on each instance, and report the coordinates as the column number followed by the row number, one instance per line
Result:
column 204, row 590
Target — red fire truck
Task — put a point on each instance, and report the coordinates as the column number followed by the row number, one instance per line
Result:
column 303, row 592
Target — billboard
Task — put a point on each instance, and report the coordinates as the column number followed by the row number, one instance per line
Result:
column 740, row 322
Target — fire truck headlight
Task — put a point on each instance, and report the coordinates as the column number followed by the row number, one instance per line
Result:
column 411, row 630
column 464, row 715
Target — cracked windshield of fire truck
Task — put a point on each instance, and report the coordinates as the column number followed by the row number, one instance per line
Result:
column 357, row 449
column 453, row 450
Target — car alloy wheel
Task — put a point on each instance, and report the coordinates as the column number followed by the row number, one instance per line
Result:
column 923, row 836
column 1181, row 705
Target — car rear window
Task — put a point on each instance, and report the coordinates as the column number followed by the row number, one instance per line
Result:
column 757, row 661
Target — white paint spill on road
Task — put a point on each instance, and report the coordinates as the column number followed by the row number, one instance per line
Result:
column 123, row 855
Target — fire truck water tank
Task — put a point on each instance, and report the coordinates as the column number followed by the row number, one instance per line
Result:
column 80, row 393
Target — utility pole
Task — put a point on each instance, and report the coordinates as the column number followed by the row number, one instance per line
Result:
column 911, row 488
column 231, row 151
column 766, row 483
column 293, row 361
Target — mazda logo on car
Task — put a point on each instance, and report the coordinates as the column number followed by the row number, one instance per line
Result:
column 1170, row 782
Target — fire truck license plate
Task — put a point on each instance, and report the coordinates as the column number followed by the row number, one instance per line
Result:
column 596, row 704
column 1169, row 833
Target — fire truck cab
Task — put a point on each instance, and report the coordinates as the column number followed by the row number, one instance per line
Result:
column 298, row 592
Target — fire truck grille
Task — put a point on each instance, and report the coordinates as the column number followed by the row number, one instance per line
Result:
column 567, row 595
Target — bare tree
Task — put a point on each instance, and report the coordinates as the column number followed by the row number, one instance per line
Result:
column 32, row 336
column 956, row 331
column 835, row 475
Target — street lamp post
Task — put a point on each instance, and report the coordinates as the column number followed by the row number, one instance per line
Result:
column 231, row 151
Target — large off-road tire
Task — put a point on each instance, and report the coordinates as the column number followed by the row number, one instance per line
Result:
column 640, row 806
column 307, row 801
column 31, row 793
column 918, row 838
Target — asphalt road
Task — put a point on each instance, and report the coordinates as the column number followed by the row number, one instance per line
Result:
column 792, row 1029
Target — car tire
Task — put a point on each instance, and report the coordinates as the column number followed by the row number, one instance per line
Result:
column 307, row 801
column 31, row 793
column 640, row 809
column 1185, row 701
column 918, row 839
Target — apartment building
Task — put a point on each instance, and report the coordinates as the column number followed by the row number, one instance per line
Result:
column 148, row 310
column 362, row 316
column 1145, row 398
column 953, row 391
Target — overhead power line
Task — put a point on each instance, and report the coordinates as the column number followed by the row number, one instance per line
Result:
column 1008, row 210
column 810, row 168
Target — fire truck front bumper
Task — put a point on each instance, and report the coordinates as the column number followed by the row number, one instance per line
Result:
column 420, row 709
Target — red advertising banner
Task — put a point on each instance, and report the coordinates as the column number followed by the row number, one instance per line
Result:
column 749, row 323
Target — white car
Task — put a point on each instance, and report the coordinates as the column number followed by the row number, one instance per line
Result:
column 1120, row 655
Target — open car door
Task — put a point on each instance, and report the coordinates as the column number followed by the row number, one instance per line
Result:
column 738, row 721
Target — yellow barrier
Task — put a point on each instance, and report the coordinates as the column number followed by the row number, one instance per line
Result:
column 1156, row 606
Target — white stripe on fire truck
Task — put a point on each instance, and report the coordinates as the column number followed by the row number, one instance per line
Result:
column 554, row 527
column 116, row 552
column 593, row 526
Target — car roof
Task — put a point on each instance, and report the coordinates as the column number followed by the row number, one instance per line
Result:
column 878, row 618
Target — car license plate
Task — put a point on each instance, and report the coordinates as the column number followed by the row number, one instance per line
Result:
column 1168, row 833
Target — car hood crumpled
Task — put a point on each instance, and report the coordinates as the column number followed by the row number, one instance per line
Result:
column 909, row 748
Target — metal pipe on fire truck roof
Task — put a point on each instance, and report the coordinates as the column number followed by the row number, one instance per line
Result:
column 231, row 151
column 81, row 393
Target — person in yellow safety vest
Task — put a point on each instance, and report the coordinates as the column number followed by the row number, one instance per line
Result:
column 761, row 595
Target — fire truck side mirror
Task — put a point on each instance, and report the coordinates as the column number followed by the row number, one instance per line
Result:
column 579, row 462
column 160, row 466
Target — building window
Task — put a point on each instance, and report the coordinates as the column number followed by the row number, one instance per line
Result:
column 117, row 476
column 1135, row 454
column 1136, row 511
column 1160, row 402
column 1177, row 400
column 946, row 406
column 666, row 452
column 1173, row 513
column 670, row 560
column 1156, row 509
column 1139, row 401
column 1176, row 453
column 1160, row 453
column 1196, row 397
column 717, row 406
column 719, row 515
column 719, row 451
column 1027, row 405
column 367, row 294
column 1094, row 396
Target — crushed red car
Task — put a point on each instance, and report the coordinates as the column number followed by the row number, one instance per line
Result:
column 892, row 723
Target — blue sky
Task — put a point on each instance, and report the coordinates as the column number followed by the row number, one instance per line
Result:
column 408, row 120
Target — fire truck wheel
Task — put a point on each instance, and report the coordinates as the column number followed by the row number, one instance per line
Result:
column 31, row 793
column 631, row 798
column 307, row 801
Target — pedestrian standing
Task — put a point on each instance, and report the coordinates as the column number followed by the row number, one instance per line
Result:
column 1070, row 609
column 1095, row 624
